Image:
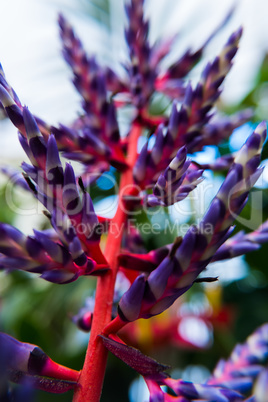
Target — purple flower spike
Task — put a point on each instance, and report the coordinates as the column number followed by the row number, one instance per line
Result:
column 177, row 181
column 244, row 364
column 252, row 149
column 190, row 182
column 222, row 163
column 181, row 68
column 78, row 60
column 100, row 132
column 187, row 125
column 174, row 121
column 24, row 143
column 56, row 262
column 142, row 75
column 72, row 141
column 189, row 257
column 112, row 125
column 220, row 128
column 231, row 380
column 204, row 392
column 58, row 192
column 242, row 243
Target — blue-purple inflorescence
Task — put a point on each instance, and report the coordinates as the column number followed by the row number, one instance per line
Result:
column 161, row 175
column 187, row 120
column 244, row 365
column 73, row 219
column 150, row 295
column 231, row 381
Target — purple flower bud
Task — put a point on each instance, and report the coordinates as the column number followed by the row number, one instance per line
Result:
column 26, row 148
column 23, row 356
column 173, row 121
column 59, row 276
column 12, row 109
column 175, row 183
column 130, row 304
column 158, row 278
column 57, row 252
column 35, row 138
column 139, row 170
column 54, row 171
column 70, row 195
column 188, row 99
column 157, row 149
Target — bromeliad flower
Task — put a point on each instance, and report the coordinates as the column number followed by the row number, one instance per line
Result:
column 144, row 69
column 187, row 121
column 173, row 185
column 177, row 181
column 237, row 245
column 160, row 174
column 76, row 251
column 99, row 125
column 150, row 295
column 94, row 139
column 242, row 243
column 56, row 261
column 87, row 140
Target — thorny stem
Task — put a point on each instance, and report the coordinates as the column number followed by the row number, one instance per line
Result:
column 92, row 374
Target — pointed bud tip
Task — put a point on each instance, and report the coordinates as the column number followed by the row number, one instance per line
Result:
column 261, row 129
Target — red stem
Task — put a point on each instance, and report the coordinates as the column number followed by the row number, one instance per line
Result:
column 55, row 370
column 92, row 374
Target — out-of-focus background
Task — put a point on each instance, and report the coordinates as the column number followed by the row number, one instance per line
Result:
column 212, row 318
